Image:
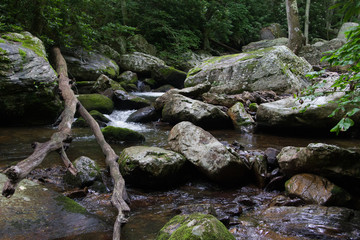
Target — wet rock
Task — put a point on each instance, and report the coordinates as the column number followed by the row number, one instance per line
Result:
column 313, row 222
column 265, row 44
column 116, row 135
column 27, row 82
column 180, row 108
column 140, row 62
column 271, row 154
column 128, row 77
column 98, row 116
column 150, row 166
column 42, row 212
column 88, row 172
column 239, row 116
column 276, row 68
column 207, row 154
column 97, row 102
column 195, row 226
column 88, row 66
column 144, row 115
column 106, row 86
column 322, row 159
column 124, row 100
column 282, row 200
column 316, row 189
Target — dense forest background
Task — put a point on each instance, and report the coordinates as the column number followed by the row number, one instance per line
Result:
column 173, row 26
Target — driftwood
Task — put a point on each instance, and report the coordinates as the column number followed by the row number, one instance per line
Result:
column 59, row 142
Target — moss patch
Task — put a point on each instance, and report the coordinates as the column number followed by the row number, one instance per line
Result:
column 26, row 42
column 97, row 102
column 22, row 54
column 70, row 205
column 116, row 134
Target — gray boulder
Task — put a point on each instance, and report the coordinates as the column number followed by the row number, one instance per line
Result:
column 317, row 190
column 140, row 44
column 196, row 226
column 180, row 108
column 275, row 68
column 88, row 66
column 190, row 60
column 88, row 172
column 344, row 28
column 140, row 62
column 169, row 75
column 322, row 159
column 150, row 166
column 239, row 116
column 144, row 115
column 313, row 53
column 266, row 43
column 42, row 212
column 27, row 82
column 209, row 155
column 106, row 86
column 124, row 100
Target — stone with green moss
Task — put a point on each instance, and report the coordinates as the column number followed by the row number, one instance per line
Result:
column 124, row 100
column 88, row 172
column 117, row 134
column 169, row 75
column 104, row 83
column 98, row 116
column 27, row 82
column 43, row 212
column 253, row 107
column 150, row 166
column 97, row 102
column 275, row 68
column 194, row 227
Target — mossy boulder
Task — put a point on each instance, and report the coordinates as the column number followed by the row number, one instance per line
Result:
column 124, row 100
column 97, row 102
column 98, row 116
column 88, row 172
column 140, row 62
column 43, row 212
column 275, row 68
column 116, row 134
column 169, row 75
column 196, row 226
column 140, row 44
column 128, row 77
column 104, row 84
column 150, row 166
column 27, row 82
column 88, row 66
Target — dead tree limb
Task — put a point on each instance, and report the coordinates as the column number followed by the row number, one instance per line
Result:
column 61, row 139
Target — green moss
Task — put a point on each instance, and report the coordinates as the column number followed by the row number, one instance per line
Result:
column 70, row 205
column 27, row 42
column 125, row 164
column 99, row 116
column 97, row 102
column 253, row 107
column 116, row 134
column 193, row 71
column 110, row 71
column 22, row 54
column 2, row 41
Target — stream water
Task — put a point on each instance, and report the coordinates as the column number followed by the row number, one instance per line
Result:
column 150, row 210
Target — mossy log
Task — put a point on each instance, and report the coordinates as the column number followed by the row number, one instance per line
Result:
column 61, row 139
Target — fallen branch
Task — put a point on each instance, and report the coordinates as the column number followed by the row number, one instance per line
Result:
column 60, row 140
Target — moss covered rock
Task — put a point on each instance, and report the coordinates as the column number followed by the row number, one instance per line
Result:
column 98, row 116
column 104, row 83
column 275, row 68
column 27, row 82
column 97, row 102
column 88, row 172
column 124, row 100
column 194, row 227
column 116, row 134
column 150, row 166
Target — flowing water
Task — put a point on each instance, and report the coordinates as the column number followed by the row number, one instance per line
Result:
column 150, row 210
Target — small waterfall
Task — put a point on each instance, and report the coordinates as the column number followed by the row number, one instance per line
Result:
column 118, row 119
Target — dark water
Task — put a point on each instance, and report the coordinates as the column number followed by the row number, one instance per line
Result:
column 150, row 210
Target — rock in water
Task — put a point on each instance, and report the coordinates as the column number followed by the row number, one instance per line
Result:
column 275, row 68
column 27, row 82
column 207, row 154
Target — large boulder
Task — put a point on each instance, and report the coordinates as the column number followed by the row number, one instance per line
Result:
column 276, row 68
column 44, row 213
column 169, row 75
column 140, row 62
column 344, row 28
column 313, row 53
column 97, row 102
column 322, row 159
column 88, row 66
column 207, row 153
column 196, row 226
column 180, row 108
column 266, row 43
column 27, row 82
column 287, row 113
column 150, row 166
column 316, row 189
column 140, row 44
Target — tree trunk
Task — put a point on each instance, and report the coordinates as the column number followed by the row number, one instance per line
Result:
column 307, row 22
column 296, row 39
column 124, row 11
column 60, row 140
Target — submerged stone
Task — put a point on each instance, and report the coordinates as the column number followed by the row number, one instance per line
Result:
column 41, row 212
